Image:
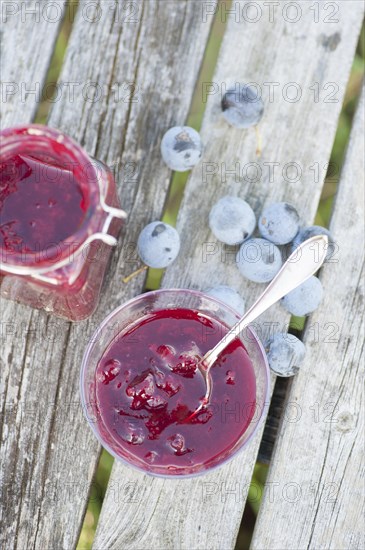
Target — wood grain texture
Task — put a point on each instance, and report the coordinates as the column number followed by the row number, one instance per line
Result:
column 28, row 34
column 317, row 470
column 206, row 512
column 146, row 69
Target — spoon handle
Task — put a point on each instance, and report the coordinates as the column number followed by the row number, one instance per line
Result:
column 300, row 265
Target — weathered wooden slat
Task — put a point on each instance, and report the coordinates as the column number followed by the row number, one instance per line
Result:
column 206, row 512
column 316, row 476
column 49, row 452
column 28, row 34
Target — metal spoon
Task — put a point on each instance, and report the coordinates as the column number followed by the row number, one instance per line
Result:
column 300, row 265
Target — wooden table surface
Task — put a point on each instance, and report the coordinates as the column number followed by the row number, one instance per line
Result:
column 145, row 57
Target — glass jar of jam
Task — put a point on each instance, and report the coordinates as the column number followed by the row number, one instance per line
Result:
column 59, row 219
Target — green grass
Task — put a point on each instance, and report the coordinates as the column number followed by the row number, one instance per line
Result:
column 97, row 494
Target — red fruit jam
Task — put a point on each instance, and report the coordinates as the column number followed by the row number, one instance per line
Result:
column 59, row 217
column 147, row 385
column 40, row 205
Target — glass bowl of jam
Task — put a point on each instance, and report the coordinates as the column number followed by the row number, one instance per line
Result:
column 59, row 219
column 140, row 384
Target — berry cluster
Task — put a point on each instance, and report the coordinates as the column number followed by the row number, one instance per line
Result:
column 259, row 259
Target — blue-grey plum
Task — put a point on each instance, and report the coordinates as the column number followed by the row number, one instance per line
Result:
column 305, row 298
column 232, row 220
column 279, row 223
column 285, row 354
column 259, row 260
column 158, row 244
column 242, row 107
column 312, row 231
column 181, row 148
column 229, row 296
